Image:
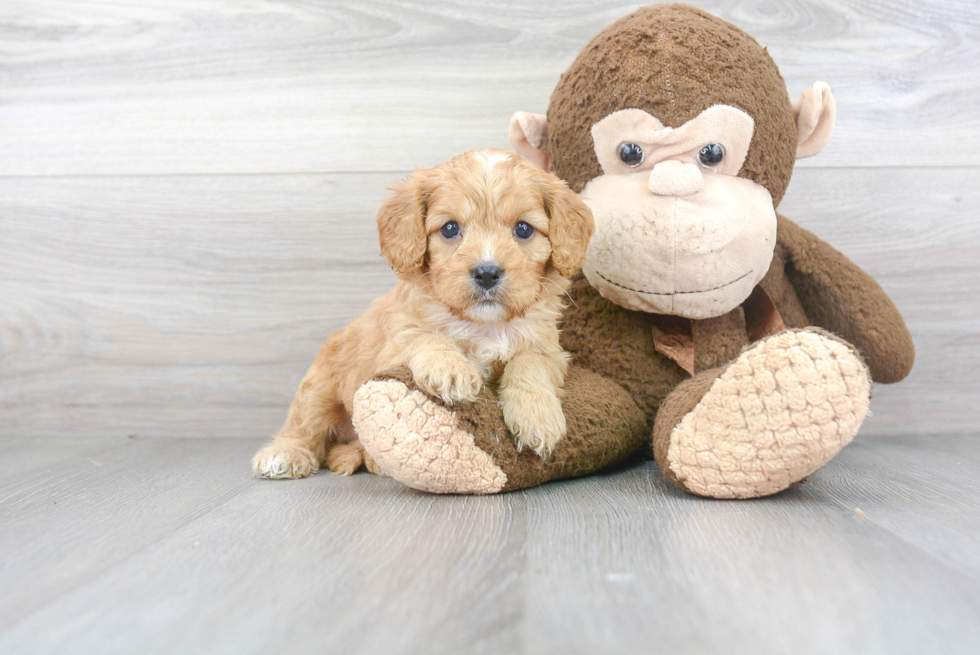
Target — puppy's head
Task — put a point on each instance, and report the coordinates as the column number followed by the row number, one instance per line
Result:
column 486, row 233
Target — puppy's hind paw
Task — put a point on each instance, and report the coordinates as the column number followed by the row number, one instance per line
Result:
column 537, row 422
column 345, row 458
column 372, row 466
column 285, row 459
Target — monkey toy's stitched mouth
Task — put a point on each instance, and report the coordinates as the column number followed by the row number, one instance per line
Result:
column 673, row 293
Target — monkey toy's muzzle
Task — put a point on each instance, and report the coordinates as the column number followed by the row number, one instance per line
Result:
column 689, row 251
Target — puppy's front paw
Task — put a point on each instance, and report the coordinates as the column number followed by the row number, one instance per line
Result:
column 448, row 376
column 536, row 421
column 285, row 459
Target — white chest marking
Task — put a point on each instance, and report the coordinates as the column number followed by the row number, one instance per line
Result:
column 485, row 343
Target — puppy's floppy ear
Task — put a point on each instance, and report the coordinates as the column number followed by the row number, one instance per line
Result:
column 401, row 223
column 570, row 225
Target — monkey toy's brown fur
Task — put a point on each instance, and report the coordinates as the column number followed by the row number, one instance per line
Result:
column 737, row 400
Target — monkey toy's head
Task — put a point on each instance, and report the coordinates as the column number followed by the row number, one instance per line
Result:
column 677, row 130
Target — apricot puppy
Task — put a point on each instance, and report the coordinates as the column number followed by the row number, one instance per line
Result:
column 482, row 246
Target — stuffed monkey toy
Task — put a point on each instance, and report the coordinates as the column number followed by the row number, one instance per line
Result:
column 737, row 346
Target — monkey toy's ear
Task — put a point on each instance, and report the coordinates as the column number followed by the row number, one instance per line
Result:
column 815, row 113
column 529, row 138
column 401, row 223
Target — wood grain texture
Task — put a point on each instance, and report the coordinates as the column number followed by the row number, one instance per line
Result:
column 174, row 305
column 920, row 489
column 192, row 305
column 796, row 573
column 122, row 494
column 171, row 546
column 168, row 545
column 273, row 86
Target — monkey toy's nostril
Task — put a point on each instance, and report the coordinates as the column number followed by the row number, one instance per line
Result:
column 487, row 276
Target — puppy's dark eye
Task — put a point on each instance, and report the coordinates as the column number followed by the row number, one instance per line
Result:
column 711, row 154
column 522, row 230
column 449, row 230
column 630, row 154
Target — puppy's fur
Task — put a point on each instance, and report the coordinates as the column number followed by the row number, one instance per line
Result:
column 451, row 332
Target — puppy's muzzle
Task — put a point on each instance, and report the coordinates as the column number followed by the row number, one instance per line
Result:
column 487, row 276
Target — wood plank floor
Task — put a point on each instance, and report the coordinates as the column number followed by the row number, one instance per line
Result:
column 169, row 546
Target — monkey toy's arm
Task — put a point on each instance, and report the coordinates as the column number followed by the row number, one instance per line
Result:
column 840, row 297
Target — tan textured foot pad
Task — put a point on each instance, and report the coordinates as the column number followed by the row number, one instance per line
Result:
column 778, row 413
column 417, row 442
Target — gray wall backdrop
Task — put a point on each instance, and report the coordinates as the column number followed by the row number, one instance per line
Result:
column 188, row 187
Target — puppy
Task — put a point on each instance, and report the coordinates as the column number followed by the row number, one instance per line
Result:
column 482, row 246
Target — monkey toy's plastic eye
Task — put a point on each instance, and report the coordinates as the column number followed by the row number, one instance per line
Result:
column 523, row 231
column 711, row 154
column 630, row 154
column 449, row 230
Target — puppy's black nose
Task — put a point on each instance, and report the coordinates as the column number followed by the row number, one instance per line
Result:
column 487, row 276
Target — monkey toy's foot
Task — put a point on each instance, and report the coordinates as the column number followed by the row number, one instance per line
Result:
column 784, row 408
column 467, row 449
column 417, row 441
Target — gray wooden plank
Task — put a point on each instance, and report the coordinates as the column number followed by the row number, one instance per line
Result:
column 25, row 458
column 191, row 306
column 69, row 522
column 795, row 573
column 326, row 564
column 127, row 302
column 198, row 557
column 922, row 488
column 277, row 86
column 26, row 455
